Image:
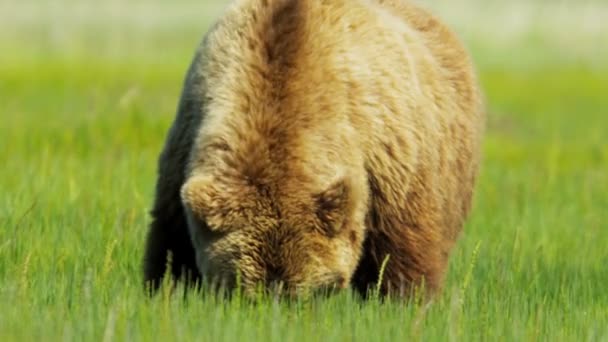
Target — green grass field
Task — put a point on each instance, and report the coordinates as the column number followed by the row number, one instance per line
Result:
column 88, row 91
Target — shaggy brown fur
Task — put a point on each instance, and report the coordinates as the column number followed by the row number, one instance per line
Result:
column 313, row 139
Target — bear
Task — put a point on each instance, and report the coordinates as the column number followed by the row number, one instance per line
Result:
column 319, row 144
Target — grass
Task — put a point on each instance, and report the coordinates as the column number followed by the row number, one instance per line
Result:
column 84, row 117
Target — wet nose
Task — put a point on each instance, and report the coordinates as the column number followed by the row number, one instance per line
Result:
column 274, row 274
column 275, row 278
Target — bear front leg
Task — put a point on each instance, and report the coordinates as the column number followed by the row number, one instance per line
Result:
column 408, row 231
column 168, row 238
column 168, row 244
column 168, row 241
column 411, row 263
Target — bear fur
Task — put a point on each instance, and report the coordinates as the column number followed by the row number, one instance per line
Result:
column 313, row 139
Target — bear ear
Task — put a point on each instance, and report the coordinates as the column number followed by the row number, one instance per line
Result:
column 202, row 195
column 332, row 206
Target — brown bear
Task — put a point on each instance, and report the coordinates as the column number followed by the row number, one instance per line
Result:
column 314, row 139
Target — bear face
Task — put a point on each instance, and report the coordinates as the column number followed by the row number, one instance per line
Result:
column 288, row 235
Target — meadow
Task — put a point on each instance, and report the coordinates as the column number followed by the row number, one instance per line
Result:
column 88, row 90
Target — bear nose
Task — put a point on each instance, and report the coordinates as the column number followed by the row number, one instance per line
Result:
column 275, row 277
column 275, row 281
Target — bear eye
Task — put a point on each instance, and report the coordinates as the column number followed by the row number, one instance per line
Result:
column 218, row 145
column 218, row 222
column 213, row 225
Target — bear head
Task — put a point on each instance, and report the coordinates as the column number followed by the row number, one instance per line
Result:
column 264, row 214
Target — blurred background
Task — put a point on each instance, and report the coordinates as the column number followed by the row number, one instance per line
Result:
column 517, row 32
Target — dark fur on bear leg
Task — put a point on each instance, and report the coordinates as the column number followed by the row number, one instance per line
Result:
column 168, row 232
column 168, row 242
